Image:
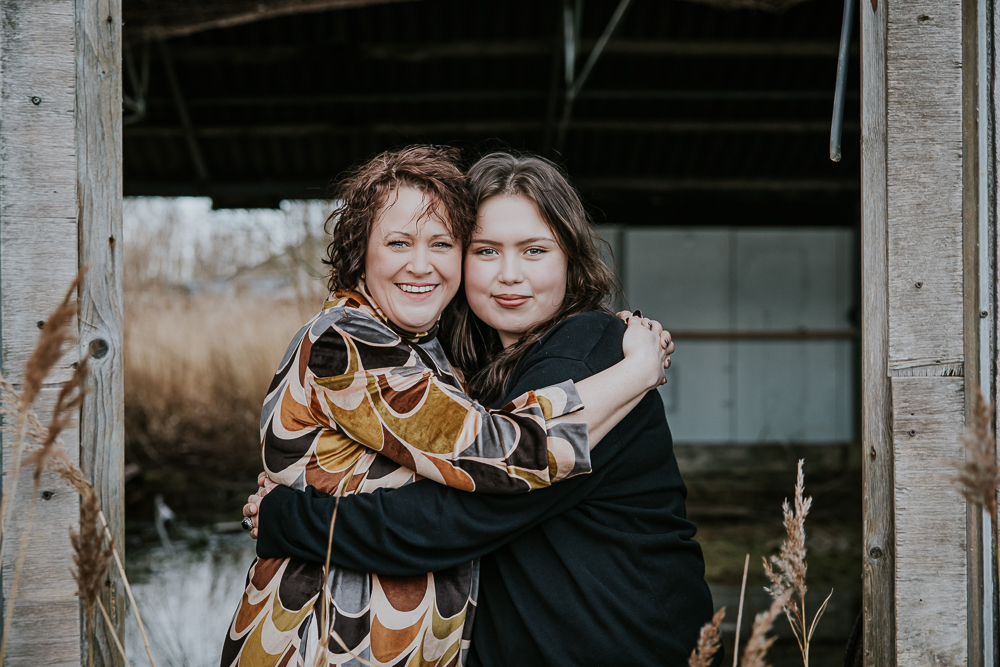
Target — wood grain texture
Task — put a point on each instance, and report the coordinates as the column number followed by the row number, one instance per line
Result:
column 46, row 624
column 876, row 416
column 99, row 185
column 924, row 185
column 38, row 259
column 931, row 595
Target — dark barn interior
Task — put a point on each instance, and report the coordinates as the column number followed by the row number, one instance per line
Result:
column 664, row 113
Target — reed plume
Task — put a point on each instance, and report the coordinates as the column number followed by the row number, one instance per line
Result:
column 978, row 474
column 709, row 642
column 788, row 577
column 760, row 642
column 90, row 554
column 68, row 405
column 56, row 332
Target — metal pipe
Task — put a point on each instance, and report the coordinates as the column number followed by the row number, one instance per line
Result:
column 840, row 94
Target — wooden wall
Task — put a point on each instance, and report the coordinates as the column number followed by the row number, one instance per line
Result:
column 60, row 203
column 920, row 605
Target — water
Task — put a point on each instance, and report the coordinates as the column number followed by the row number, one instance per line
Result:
column 187, row 597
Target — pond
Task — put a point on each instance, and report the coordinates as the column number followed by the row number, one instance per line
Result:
column 187, row 595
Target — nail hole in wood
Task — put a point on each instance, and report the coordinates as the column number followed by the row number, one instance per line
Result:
column 918, row 284
column 47, row 495
column 875, row 553
column 923, row 18
column 873, row 453
column 98, row 348
column 983, row 313
column 40, row 324
column 36, row 100
column 912, row 432
column 111, row 241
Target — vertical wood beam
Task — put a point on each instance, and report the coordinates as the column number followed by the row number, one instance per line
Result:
column 99, row 192
column 876, row 417
column 38, row 260
column 924, row 196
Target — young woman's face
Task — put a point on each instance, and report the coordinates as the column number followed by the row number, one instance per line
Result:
column 515, row 270
column 413, row 266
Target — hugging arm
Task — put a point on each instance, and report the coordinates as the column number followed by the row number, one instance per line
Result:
column 421, row 527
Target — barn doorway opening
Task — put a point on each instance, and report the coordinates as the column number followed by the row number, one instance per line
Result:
column 698, row 136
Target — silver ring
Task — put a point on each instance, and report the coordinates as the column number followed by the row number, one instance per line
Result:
column 247, row 523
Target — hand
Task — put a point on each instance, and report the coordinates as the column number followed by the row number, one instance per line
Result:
column 644, row 346
column 252, row 508
column 665, row 338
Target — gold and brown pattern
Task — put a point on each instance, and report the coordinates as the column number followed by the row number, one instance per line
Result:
column 356, row 406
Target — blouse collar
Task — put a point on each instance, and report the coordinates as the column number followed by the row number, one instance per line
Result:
column 361, row 298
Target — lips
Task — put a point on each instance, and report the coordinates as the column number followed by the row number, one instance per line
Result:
column 511, row 300
column 416, row 291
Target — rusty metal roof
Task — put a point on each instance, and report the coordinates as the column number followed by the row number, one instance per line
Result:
column 692, row 114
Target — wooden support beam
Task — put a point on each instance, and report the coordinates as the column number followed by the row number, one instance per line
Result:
column 38, row 260
column 197, row 160
column 878, row 511
column 926, row 350
column 462, row 96
column 99, row 193
column 176, row 18
column 191, row 134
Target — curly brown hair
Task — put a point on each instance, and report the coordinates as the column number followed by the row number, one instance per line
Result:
column 364, row 191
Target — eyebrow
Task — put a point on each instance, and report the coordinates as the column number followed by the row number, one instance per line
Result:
column 409, row 235
column 535, row 239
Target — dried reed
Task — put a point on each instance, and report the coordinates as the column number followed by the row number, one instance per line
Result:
column 56, row 332
column 739, row 614
column 978, row 474
column 709, row 642
column 788, row 578
column 760, row 643
column 91, row 554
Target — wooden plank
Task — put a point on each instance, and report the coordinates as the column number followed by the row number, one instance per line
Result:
column 46, row 622
column 972, row 169
column 877, row 483
column 924, row 186
column 931, row 595
column 99, row 185
column 38, row 258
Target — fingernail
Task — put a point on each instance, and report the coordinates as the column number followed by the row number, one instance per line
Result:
column 637, row 312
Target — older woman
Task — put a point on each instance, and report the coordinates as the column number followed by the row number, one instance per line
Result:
column 366, row 399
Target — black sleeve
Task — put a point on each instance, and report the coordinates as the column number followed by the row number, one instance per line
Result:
column 421, row 527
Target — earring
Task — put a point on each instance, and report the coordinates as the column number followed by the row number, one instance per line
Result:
column 362, row 275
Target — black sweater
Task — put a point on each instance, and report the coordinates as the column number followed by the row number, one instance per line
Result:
column 600, row 569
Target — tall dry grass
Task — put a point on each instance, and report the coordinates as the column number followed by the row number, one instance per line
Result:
column 202, row 341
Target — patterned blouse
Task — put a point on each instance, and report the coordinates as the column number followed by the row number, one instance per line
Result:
column 356, row 406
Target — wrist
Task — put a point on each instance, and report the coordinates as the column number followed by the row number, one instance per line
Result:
column 647, row 376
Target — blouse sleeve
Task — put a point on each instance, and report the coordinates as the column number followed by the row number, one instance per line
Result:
column 408, row 414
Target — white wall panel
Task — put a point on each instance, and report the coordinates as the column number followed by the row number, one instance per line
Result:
column 723, row 279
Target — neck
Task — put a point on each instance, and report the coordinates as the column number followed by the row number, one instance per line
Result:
column 508, row 339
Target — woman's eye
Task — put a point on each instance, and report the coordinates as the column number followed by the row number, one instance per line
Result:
column 489, row 252
column 444, row 244
column 397, row 244
column 535, row 251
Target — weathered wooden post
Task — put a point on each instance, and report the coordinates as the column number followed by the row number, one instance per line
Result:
column 60, row 207
column 924, row 222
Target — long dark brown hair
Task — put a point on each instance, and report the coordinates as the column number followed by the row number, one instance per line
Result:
column 590, row 284
column 364, row 191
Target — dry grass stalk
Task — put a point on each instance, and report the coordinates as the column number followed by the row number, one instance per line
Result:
column 56, row 332
column 128, row 588
column 760, row 643
column 739, row 614
column 978, row 474
column 709, row 642
column 326, row 627
column 68, row 405
column 111, row 631
column 788, row 578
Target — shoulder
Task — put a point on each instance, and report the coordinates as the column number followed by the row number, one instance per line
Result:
column 343, row 337
column 584, row 337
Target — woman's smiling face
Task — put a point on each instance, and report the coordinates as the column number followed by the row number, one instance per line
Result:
column 413, row 266
column 515, row 269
